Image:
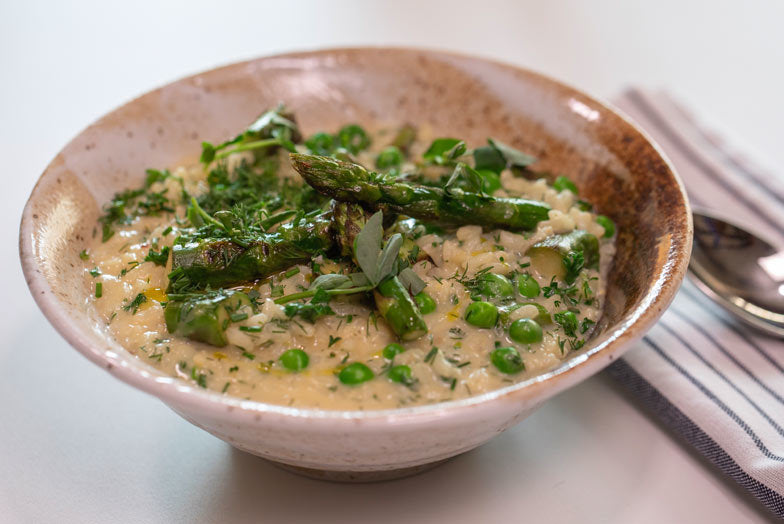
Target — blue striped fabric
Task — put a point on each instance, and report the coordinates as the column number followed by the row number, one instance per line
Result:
column 718, row 385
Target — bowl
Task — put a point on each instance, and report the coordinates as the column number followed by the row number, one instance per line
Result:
column 615, row 165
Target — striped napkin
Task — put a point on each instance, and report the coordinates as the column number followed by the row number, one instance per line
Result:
column 718, row 385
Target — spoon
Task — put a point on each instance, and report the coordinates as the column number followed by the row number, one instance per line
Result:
column 738, row 270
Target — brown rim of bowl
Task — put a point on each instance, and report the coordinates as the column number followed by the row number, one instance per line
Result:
column 656, row 299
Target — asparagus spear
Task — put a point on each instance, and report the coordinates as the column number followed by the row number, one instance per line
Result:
column 352, row 183
column 205, row 317
column 347, row 221
column 221, row 262
column 216, row 263
column 395, row 304
column 411, row 229
column 393, row 300
column 563, row 256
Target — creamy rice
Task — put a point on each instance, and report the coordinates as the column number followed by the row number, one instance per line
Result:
column 450, row 362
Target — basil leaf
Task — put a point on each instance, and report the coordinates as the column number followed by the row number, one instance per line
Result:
column 367, row 247
column 444, row 151
column 472, row 179
column 330, row 281
column 388, row 257
column 411, row 281
column 491, row 182
column 488, row 157
column 272, row 120
column 512, row 156
column 358, row 279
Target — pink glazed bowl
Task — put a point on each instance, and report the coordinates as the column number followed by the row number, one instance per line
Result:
column 615, row 165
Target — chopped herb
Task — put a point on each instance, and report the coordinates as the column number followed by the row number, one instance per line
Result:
column 133, row 305
column 573, row 262
column 456, row 333
column 585, row 325
column 95, row 272
column 158, row 258
column 98, row 289
column 133, row 265
column 199, row 377
column 232, row 369
column 309, row 312
column 157, row 354
column 225, row 387
column 291, row 272
column 431, row 355
column 333, row 340
column 131, row 204
column 238, row 317
column 83, row 254
column 568, row 322
column 251, row 329
column 166, row 231
column 452, row 381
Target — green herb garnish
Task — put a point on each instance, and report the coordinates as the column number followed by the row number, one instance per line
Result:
column 133, row 305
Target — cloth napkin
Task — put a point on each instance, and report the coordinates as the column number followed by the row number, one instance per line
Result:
column 716, row 384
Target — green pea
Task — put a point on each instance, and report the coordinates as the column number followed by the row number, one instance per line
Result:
column 401, row 374
column 389, row 157
column 490, row 181
column 528, row 286
column 392, row 349
column 562, row 183
column 294, row 359
column 353, row 138
column 607, row 224
column 355, row 373
column 507, row 360
column 425, row 303
column 481, row 314
column 525, row 331
column 321, row 144
column 495, row 286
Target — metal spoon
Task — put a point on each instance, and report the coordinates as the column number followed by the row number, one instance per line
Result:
column 739, row 271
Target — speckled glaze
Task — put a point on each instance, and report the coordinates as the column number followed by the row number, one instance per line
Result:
column 614, row 164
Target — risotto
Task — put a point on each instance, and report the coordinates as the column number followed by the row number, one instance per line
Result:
column 350, row 271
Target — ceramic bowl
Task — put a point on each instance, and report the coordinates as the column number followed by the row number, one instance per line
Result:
column 615, row 165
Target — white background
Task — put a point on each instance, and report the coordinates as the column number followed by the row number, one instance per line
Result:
column 78, row 446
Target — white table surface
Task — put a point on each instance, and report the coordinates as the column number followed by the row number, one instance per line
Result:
column 77, row 445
